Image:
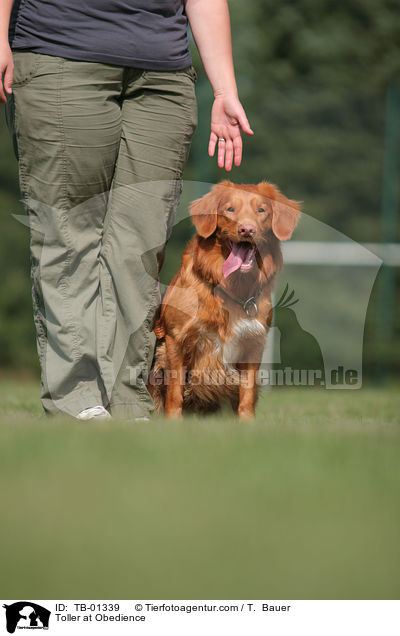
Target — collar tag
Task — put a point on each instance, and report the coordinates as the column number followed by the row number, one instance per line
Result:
column 250, row 307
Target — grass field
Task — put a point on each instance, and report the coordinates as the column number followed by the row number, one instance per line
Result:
column 304, row 503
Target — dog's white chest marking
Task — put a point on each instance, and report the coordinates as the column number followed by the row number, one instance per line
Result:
column 230, row 351
column 244, row 329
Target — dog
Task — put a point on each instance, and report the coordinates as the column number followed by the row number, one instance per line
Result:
column 216, row 312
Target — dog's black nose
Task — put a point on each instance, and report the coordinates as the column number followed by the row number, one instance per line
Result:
column 246, row 231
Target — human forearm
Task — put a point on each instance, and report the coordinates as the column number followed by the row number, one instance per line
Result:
column 5, row 12
column 210, row 25
column 6, row 58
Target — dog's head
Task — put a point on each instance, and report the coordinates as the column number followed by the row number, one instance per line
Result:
column 245, row 218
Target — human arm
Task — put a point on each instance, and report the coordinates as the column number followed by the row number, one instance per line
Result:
column 6, row 58
column 210, row 25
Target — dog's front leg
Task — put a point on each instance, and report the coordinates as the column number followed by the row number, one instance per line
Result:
column 247, row 389
column 174, row 379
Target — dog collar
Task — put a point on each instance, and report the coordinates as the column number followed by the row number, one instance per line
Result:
column 249, row 305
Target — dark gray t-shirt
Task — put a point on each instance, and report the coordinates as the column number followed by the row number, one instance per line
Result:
column 149, row 34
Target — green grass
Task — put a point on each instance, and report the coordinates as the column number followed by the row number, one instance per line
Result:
column 304, row 503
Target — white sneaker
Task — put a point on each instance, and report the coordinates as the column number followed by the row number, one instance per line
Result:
column 94, row 412
column 142, row 418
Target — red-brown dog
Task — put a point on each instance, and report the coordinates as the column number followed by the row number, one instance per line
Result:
column 215, row 313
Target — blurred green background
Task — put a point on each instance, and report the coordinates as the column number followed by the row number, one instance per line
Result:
column 314, row 77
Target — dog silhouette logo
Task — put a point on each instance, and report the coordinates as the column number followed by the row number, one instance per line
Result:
column 26, row 615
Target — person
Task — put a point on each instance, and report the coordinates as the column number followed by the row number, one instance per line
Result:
column 101, row 106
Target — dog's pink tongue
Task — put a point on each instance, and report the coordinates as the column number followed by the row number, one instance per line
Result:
column 234, row 260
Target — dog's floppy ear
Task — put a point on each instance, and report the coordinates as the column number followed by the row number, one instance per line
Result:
column 285, row 215
column 204, row 214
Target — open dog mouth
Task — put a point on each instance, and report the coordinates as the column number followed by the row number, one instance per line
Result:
column 242, row 257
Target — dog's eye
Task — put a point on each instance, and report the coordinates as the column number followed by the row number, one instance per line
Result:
column 230, row 209
column 261, row 210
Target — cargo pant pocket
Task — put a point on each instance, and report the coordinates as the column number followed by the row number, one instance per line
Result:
column 25, row 66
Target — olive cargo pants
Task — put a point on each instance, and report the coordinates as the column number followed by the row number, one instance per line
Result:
column 101, row 150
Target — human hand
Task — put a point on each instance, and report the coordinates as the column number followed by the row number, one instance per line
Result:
column 227, row 120
column 6, row 71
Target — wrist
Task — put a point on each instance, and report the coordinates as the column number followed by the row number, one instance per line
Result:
column 222, row 93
